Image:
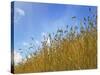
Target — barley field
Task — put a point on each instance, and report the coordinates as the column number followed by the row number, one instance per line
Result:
column 72, row 48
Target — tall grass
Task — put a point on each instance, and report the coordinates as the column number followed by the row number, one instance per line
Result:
column 72, row 48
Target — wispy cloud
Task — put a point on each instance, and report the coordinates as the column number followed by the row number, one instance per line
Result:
column 17, row 57
column 44, row 34
column 25, row 43
column 37, row 42
column 48, row 41
column 20, row 11
column 18, row 14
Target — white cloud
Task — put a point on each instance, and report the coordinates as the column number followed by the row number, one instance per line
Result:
column 48, row 42
column 20, row 11
column 46, row 38
column 17, row 57
column 37, row 42
column 44, row 34
column 18, row 14
column 29, row 56
column 25, row 44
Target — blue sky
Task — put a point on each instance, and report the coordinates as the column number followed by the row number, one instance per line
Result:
column 36, row 19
